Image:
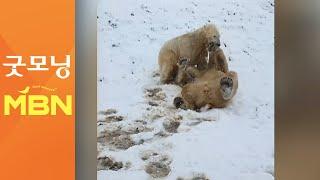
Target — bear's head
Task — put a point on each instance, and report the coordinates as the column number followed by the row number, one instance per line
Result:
column 211, row 37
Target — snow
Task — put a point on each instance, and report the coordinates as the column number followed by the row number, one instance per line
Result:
column 233, row 143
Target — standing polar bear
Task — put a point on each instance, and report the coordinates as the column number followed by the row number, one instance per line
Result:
column 193, row 47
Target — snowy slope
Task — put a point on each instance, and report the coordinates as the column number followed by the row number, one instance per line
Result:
column 234, row 143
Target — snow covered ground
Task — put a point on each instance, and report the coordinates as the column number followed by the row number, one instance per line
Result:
column 234, row 143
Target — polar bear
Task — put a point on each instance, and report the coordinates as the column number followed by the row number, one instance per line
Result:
column 193, row 46
column 213, row 88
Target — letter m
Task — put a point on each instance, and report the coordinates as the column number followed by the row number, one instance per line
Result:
column 10, row 102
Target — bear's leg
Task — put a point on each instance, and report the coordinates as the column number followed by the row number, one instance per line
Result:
column 168, row 67
column 168, row 73
column 182, row 76
column 222, row 62
column 218, row 61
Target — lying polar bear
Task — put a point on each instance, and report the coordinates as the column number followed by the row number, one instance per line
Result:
column 213, row 88
column 194, row 47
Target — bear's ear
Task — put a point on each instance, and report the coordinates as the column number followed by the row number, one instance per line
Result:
column 226, row 88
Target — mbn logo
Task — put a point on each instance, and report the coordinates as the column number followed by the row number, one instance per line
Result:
column 37, row 105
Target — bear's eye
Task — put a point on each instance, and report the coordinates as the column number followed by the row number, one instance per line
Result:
column 215, row 36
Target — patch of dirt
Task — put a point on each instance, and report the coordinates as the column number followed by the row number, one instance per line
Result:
column 155, row 113
column 108, row 112
column 108, row 135
column 122, row 142
column 116, row 139
column 171, row 125
column 119, row 137
column 113, row 118
column 136, row 128
column 158, row 169
column 162, row 158
column 155, row 94
column 109, row 116
column 158, row 165
column 147, row 154
column 199, row 176
column 106, row 163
